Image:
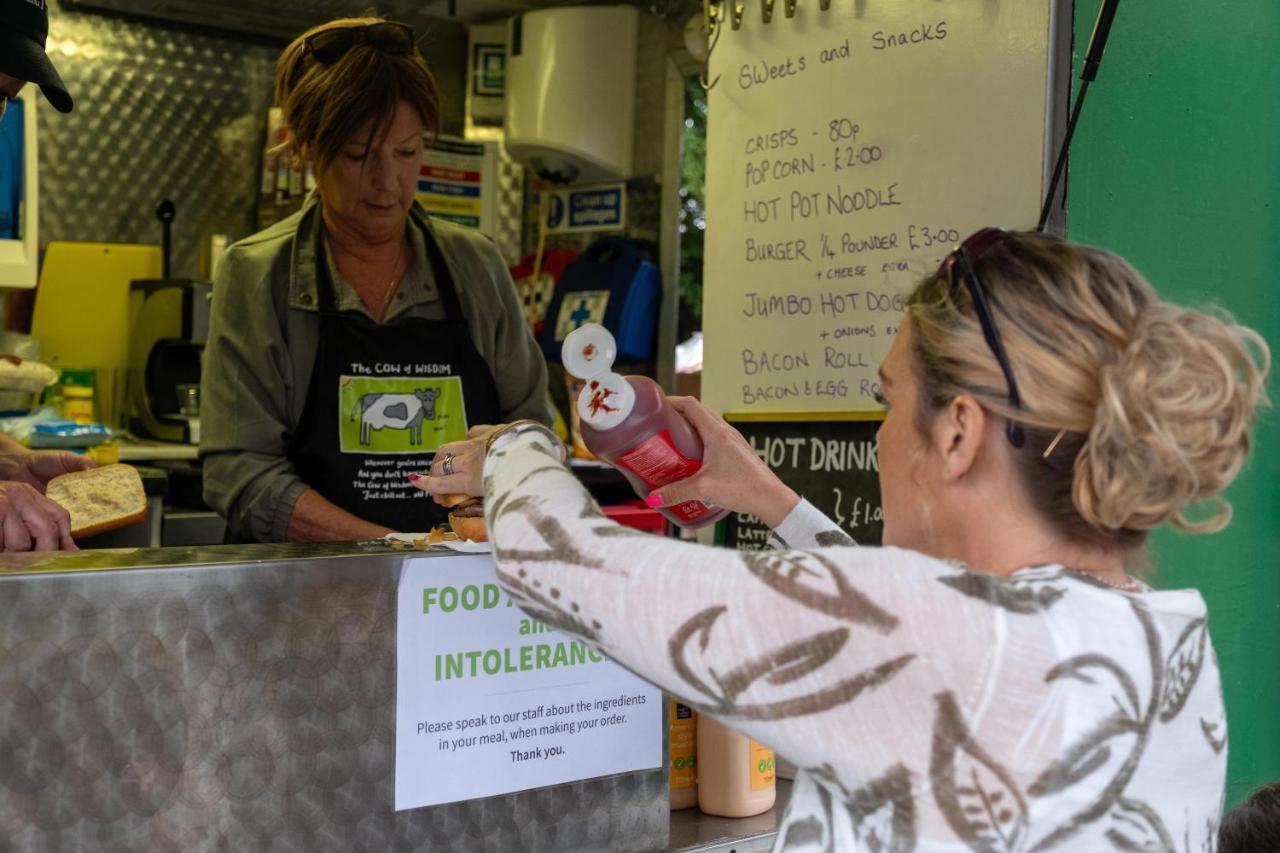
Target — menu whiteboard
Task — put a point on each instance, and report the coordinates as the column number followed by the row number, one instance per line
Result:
column 848, row 151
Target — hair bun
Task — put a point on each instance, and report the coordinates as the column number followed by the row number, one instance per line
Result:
column 1171, row 428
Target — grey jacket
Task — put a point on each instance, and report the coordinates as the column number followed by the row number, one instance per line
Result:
column 262, row 346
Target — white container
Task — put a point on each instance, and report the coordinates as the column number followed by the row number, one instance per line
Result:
column 736, row 775
column 571, row 91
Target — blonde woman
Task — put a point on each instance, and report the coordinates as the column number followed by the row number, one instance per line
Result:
column 996, row 677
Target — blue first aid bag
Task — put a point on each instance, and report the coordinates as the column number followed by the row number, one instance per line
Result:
column 612, row 283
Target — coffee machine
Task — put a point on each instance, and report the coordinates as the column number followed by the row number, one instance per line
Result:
column 168, row 327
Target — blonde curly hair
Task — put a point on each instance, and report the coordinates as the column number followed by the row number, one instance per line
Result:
column 1150, row 404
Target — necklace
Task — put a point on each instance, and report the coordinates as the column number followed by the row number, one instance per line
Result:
column 397, row 273
column 1128, row 585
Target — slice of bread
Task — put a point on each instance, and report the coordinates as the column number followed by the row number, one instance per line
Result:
column 100, row 499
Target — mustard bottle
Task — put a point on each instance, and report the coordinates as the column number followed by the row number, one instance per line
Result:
column 683, row 735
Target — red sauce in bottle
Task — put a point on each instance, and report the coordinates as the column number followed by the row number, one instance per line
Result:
column 627, row 421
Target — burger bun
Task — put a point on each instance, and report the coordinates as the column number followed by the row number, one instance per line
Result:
column 469, row 527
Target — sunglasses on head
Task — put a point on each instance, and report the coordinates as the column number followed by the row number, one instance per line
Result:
column 385, row 36
column 964, row 256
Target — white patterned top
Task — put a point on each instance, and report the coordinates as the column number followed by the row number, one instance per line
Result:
column 930, row 708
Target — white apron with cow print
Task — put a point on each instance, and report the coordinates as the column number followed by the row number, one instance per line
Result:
column 930, row 708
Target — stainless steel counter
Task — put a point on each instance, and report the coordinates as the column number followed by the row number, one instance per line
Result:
column 241, row 698
column 691, row 830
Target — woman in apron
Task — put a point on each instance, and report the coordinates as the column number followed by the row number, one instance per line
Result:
column 350, row 341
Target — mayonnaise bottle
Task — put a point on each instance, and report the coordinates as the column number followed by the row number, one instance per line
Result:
column 736, row 775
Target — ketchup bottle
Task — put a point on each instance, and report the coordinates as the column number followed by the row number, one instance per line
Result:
column 627, row 422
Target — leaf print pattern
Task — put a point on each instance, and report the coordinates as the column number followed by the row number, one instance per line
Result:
column 1135, row 825
column 884, row 815
column 976, row 795
column 544, row 603
column 619, row 532
column 1145, row 720
column 807, row 832
column 1092, row 752
column 1119, row 694
column 1183, row 669
column 1078, row 668
column 1215, row 734
column 1208, row 841
column 1013, row 596
column 833, row 539
column 561, row 547
column 810, row 579
column 814, row 831
column 777, row 667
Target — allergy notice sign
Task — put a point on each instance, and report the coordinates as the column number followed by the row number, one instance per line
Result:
column 490, row 701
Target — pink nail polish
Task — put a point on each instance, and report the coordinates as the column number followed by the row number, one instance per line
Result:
column 413, row 478
column 654, row 499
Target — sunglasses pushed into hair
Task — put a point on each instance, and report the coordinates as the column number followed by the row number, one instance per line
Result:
column 386, row 36
column 974, row 247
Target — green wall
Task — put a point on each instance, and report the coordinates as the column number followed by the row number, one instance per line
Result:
column 1176, row 166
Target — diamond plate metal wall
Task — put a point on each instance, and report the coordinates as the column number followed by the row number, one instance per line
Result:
column 167, row 112
column 160, row 113
column 243, row 707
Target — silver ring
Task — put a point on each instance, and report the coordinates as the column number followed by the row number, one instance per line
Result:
column 447, row 465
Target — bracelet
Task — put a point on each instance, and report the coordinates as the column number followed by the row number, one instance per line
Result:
column 521, row 426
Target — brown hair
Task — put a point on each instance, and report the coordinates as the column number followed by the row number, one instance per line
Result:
column 1153, row 402
column 1254, row 825
column 325, row 105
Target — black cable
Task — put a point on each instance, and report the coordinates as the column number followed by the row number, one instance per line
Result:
column 1088, row 73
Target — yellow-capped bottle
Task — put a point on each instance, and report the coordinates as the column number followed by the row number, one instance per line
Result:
column 683, row 735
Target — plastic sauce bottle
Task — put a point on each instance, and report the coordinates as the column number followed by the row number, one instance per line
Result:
column 735, row 774
column 627, row 422
column 683, row 725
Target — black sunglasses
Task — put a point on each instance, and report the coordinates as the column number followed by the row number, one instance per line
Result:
column 974, row 247
column 386, row 36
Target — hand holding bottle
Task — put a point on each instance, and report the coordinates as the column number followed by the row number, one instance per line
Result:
column 732, row 475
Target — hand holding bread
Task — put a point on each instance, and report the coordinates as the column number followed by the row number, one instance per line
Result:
column 458, row 467
column 29, row 521
column 37, row 467
column 455, row 481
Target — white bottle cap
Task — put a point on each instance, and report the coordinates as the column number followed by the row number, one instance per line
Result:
column 589, row 351
column 608, row 398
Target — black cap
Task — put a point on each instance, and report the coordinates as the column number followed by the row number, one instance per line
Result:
column 24, row 29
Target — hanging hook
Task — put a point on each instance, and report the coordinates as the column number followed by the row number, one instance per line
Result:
column 735, row 13
column 791, row 8
column 766, row 10
column 716, row 27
